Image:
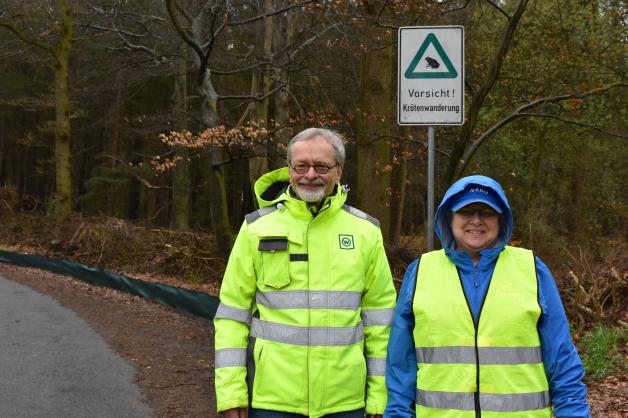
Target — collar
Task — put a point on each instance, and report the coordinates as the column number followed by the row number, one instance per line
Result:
column 463, row 260
column 332, row 202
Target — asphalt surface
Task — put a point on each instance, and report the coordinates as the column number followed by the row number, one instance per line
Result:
column 52, row 364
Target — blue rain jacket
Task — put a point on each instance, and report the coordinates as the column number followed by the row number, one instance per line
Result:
column 562, row 363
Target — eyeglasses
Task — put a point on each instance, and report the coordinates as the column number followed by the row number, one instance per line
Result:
column 469, row 213
column 320, row 168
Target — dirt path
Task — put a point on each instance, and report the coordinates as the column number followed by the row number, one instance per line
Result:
column 173, row 352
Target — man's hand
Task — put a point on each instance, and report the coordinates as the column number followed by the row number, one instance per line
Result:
column 236, row 413
column 373, row 416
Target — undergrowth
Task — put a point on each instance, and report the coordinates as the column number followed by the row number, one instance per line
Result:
column 117, row 245
column 602, row 354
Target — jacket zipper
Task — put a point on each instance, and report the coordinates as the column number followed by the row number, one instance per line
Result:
column 476, row 396
column 307, row 244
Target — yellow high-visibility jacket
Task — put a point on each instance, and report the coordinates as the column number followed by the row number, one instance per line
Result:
column 315, row 293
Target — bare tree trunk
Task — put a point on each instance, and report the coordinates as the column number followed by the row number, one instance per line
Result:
column 63, row 153
column 399, row 191
column 373, row 128
column 61, row 59
column 261, row 83
column 209, row 114
column 258, row 165
column 112, row 144
column 181, row 172
column 4, row 174
column 284, row 35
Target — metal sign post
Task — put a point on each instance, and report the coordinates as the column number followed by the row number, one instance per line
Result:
column 430, row 188
column 430, row 89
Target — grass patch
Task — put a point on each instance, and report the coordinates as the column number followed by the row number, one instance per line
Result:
column 602, row 354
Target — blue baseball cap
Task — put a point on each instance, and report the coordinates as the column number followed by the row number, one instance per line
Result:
column 474, row 193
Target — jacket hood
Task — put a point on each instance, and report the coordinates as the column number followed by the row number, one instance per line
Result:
column 442, row 219
column 270, row 188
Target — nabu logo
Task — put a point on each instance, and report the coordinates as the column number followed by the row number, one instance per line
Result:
column 346, row 242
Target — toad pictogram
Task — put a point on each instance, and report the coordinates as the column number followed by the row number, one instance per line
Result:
column 432, row 63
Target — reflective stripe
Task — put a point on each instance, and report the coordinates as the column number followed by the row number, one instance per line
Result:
column 253, row 216
column 237, row 314
column 376, row 366
column 488, row 355
column 227, row 357
column 311, row 336
column 514, row 402
column 445, row 400
column 382, row 317
column 488, row 401
column 312, row 299
column 360, row 214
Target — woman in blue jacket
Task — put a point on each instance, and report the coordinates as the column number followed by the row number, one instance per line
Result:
column 479, row 326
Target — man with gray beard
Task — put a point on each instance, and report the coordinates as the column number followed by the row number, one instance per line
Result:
column 309, row 280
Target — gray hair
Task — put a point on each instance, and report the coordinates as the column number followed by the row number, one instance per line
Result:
column 333, row 138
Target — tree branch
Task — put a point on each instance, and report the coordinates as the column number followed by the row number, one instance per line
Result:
column 114, row 29
column 170, row 4
column 574, row 122
column 24, row 37
column 273, row 13
column 245, row 69
column 502, row 11
column 521, row 112
column 455, row 9
column 453, row 168
column 139, row 178
column 424, row 143
column 312, row 39
column 256, row 98
column 129, row 45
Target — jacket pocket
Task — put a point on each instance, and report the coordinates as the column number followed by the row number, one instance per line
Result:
column 275, row 261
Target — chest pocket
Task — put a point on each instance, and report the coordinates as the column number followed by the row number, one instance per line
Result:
column 275, row 259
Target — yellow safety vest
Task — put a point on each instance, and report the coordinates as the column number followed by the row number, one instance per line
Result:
column 490, row 369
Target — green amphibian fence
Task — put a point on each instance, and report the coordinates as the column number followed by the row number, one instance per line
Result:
column 197, row 303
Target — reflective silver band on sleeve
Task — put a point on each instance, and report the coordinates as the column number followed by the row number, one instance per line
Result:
column 510, row 402
column 310, row 336
column 382, row 317
column 309, row 299
column 228, row 357
column 487, row 355
column 376, row 366
column 236, row 314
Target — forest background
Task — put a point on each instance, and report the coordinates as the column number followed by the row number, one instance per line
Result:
column 131, row 131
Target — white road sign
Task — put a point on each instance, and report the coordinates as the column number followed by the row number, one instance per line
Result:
column 431, row 75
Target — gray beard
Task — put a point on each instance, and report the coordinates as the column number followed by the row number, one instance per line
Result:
column 311, row 197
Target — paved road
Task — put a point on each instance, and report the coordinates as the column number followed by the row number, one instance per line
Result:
column 52, row 364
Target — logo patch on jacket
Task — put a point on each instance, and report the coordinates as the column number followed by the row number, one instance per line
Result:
column 346, row 242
